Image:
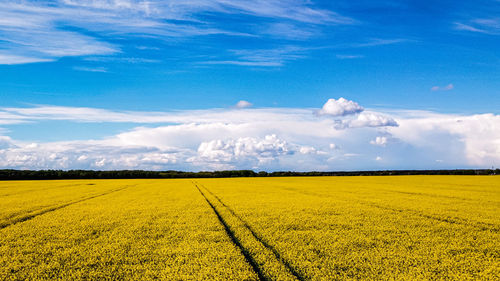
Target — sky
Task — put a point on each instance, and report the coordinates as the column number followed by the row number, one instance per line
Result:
column 265, row 85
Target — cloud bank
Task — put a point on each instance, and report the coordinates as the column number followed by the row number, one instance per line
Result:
column 343, row 137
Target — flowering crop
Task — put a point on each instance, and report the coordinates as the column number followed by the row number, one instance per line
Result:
column 296, row 228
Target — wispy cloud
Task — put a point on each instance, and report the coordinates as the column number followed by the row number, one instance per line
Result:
column 481, row 25
column 379, row 42
column 38, row 31
column 296, row 10
column 6, row 58
column 349, row 57
column 132, row 60
column 448, row 87
column 7, row 118
column 245, row 63
column 289, row 31
column 91, row 69
column 263, row 57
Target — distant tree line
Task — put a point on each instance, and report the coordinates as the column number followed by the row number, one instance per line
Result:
column 139, row 174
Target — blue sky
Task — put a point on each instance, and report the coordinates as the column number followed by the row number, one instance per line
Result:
column 108, row 84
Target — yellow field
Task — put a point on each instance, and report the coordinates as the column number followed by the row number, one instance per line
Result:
column 312, row 228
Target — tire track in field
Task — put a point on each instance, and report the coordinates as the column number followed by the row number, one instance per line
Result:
column 34, row 209
column 55, row 208
column 248, row 257
column 259, row 238
column 43, row 189
column 425, row 194
column 483, row 226
column 452, row 220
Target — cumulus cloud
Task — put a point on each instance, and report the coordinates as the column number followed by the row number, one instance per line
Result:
column 6, row 142
column 243, row 104
column 366, row 120
column 380, row 141
column 350, row 114
column 340, row 107
column 271, row 138
column 372, row 119
column 85, row 155
column 479, row 134
column 307, row 150
column 255, row 150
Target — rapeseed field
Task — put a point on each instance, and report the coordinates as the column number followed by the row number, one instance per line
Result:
column 296, row 228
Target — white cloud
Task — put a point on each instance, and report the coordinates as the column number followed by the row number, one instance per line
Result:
column 221, row 121
column 481, row 25
column 37, row 31
column 85, row 155
column 479, row 134
column 340, row 107
column 6, row 142
column 30, row 33
column 270, row 138
column 289, row 9
column 289, row 31
column 307, row 150
column 380, row 141
column 379, row 42
column 245, row 63
column 20, row 59
column 243, row 104
column 130, row 60
column 372, row 119
column 90, row 69
column 265, row 58
column 366, row 119
column 254, row 150
column 349, row 57
column 448, row 87
column 10, row 118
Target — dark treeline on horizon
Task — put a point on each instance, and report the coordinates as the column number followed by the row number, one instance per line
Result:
column 7, row 174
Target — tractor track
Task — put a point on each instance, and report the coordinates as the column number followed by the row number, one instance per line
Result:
column 231, row 234
column 39, row 212
column 259, row 238
column 291, row 272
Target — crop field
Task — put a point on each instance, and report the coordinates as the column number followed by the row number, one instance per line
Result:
column 293, row 228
